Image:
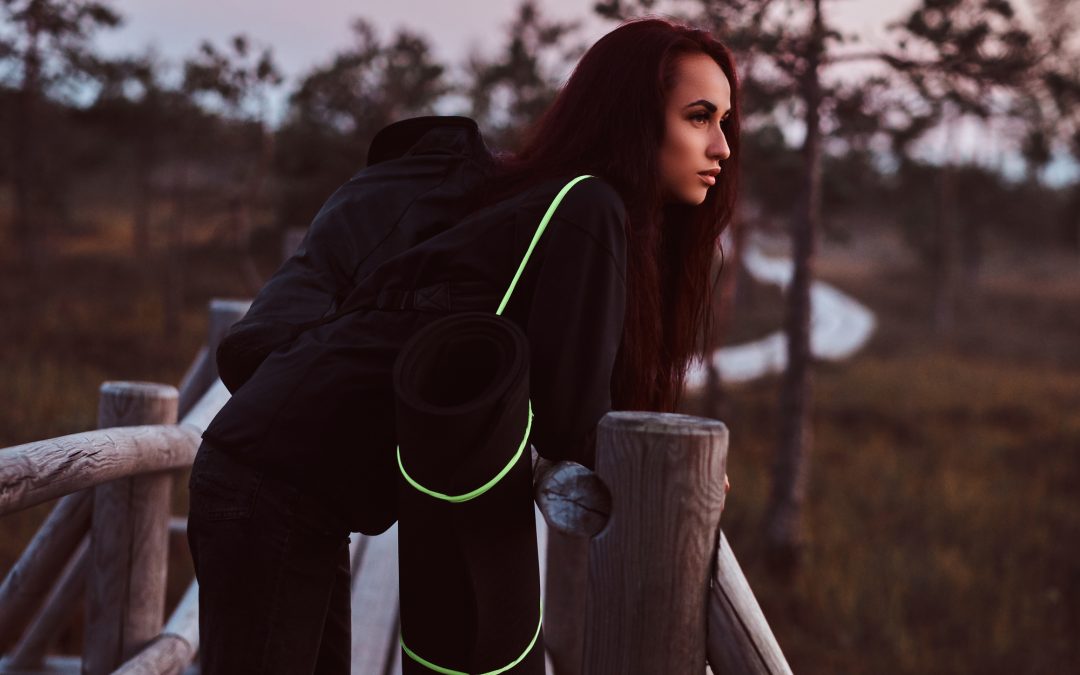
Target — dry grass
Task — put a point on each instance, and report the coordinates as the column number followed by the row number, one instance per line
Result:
column 942, row 513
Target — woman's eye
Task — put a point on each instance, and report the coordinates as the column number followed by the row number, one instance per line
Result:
column 703, row 117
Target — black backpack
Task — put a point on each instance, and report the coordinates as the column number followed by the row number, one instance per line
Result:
column 420, row 179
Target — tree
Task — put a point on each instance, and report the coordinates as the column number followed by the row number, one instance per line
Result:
column 132, row 105
column 337, row 109
column 963, row 58
column 239, row 80
column 1052, row 105
column 510, row 90
column 47, row 48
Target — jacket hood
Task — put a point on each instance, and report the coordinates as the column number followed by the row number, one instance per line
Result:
column 444, row 134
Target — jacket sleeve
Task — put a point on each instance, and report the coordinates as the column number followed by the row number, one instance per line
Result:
column 575, row 322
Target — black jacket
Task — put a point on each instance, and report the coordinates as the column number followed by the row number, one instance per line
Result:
column 420, row 179
column 321, row 412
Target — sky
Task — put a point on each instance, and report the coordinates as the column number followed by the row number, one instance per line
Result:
column 304, row 35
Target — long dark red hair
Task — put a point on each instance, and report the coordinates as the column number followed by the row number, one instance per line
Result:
column 608, row 120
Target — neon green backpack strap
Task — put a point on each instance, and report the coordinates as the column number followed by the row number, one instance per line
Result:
column 536, row 238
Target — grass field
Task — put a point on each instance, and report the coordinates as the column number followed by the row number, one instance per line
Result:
column 942, row 510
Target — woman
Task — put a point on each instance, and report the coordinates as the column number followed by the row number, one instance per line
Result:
column 613, row 302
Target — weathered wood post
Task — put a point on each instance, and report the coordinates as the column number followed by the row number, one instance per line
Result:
column 576, row 505
column 125, row 604
column 223, row 314
column 649, row 569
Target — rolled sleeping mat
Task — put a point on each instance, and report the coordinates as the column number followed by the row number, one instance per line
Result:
column 469, row 577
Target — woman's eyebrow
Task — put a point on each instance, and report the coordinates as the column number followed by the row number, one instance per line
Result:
column 708, row 105
column 702, row 102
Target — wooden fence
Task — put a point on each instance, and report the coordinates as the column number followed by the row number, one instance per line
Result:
column 636, row 574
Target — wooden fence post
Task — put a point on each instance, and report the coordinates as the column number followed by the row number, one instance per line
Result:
column 649, row 569
column 564, row 603
column 576, row 505
column 223, row 314
column 125, row 605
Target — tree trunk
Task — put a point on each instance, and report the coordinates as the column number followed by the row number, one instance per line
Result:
column 28, row 224
column 173, row 267
column 724, row 301
column 145, row 162
column 947, row 276
column 245, row 203
column 784, row 531
column 723, row 311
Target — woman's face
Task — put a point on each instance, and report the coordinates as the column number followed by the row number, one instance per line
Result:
column 694, row 143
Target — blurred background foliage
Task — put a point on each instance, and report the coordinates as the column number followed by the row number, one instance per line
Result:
column 941, row 512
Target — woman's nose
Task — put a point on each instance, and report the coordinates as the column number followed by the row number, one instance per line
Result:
column 718, row 146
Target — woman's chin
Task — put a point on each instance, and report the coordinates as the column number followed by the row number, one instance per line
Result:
column 697, row 197
column 693, row 196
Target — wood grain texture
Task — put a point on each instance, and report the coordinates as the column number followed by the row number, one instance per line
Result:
column 566, row 583
column 184, row 621
column 394, row 667
column 54, row 665
column 740, row 641
column 125, row 404
column 207, row 407
column 375, row 605
column 171, row 652
column 199, row 376
column 223, row 314
column 129, row 542
column 573, row 499
column 649, row 570
column 203, row 371
column 164, row 655
column 541, row 550
column 35, row 642
column 34, row 473
column 29, row 580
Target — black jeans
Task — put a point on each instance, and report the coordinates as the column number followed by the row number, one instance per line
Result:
column 273, row 568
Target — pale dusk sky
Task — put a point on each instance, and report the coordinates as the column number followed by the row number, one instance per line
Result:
column 304, row 35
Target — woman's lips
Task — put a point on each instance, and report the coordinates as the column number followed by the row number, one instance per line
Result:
column 707, row 179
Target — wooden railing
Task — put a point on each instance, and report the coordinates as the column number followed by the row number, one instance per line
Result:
column 107, row 537
column 639, row 577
